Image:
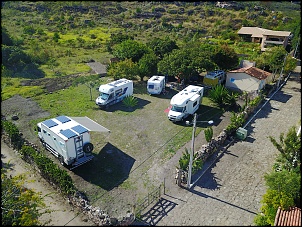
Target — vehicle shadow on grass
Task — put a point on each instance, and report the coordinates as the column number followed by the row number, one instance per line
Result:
column 120, row 106
column 109, row 168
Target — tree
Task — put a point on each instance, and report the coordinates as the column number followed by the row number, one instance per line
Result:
column 123, row 69
column 130, row 49
column 20, row 205
column 162, row 46
column 272, row 59
column 225, row 57
column 117, row 39
column 283, row 191
column 289, row 148
column 147, row 65
column 187, row 61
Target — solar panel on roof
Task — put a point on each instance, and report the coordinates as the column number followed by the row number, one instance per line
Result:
column 63, row 119
column 79, row 129
column 50, row 123
column 68, row 133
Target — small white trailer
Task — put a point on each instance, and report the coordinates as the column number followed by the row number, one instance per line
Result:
column 185, row 103
column 156, row 85
column 114, row 92
column 68, row 140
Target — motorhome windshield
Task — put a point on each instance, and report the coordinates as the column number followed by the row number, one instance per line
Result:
column 177, row 109
column 104, row 96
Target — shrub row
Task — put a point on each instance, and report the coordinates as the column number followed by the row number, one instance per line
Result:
column 48, row 169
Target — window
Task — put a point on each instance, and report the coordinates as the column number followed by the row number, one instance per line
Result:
column 110, row 96
column 118, row 92
column 194, row 104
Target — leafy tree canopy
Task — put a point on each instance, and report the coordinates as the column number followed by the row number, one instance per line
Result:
column 130, row 49
column 19, row 205
column 123, row 69
column 225, row 57
column 162, row 46
column 147, row 65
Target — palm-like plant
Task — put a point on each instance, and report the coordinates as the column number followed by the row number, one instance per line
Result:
column 130, row 101
column 221, row 96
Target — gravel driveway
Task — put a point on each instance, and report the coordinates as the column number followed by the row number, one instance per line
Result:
column 230, row 191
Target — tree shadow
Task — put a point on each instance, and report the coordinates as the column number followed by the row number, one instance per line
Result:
column 280, row 96
column 109, row 168
column 5, row 166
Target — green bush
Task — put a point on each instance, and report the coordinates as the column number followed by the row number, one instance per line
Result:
column 13, row 133
column 208, row 132
column 237, row 121
column 130, row 101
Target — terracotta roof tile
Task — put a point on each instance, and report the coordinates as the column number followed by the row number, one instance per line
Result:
column 253, row 71
column 290, row 217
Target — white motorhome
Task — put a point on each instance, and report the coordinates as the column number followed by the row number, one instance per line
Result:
column 66, row 139
column 185, row 103
column 156, row 85
column 214, row 78
column 114, row 92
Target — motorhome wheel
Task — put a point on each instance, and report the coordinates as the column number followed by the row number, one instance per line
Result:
column 61, row 160
column 88, row 147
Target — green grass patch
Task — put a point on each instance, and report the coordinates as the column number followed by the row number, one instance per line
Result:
column 12, row 86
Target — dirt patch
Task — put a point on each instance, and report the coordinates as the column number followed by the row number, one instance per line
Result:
column 52, row 84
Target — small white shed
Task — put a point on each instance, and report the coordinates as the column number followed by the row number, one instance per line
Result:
column 248, row 79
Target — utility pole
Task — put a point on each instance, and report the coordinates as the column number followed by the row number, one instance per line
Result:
column 192, row 152
column 281, row 71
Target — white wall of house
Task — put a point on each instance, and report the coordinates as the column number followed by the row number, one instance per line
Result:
column 243, row 82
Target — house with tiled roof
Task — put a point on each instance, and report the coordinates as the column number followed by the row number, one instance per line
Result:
column 265, row 37
column 248, row 79
column 290, row 217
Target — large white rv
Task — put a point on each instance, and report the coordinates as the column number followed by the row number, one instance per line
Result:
column 156, row 85
column 114, row 92
column 67, row 139
column 185, row 103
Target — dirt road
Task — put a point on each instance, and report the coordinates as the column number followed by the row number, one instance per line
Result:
column 63, row 214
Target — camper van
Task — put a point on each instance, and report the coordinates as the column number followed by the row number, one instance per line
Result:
column 114, row 92
column 156, row 85
column 214, row 78
column 185, row 103
column 67, row 139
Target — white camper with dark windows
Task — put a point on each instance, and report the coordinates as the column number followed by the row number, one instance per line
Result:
column 67, row 139
column 114, row 92
column 156, row 85
column 185, row 103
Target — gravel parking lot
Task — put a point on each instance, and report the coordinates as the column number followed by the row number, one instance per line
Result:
column 230, row 191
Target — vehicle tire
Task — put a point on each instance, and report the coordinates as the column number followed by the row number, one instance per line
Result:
column 61, row 159
column 88, row 148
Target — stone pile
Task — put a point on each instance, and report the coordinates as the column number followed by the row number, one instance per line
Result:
column 95, row 214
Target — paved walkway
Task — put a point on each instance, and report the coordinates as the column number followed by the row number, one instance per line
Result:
column 230, row 191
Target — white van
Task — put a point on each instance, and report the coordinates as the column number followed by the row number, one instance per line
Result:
column 156, row 85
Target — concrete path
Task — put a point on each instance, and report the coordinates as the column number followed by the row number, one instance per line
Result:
column 230, row 191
